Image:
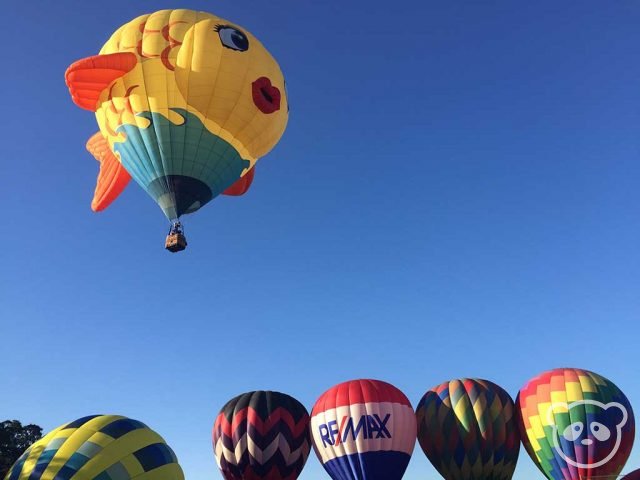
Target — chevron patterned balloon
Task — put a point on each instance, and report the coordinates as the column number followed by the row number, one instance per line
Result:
column 575, row 425
column 261, row 435
column 468, row 431
column 98, row 447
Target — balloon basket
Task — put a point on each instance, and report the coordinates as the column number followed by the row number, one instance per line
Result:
column 176, row 242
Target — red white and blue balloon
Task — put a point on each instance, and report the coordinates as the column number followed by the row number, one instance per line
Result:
column 363, row 430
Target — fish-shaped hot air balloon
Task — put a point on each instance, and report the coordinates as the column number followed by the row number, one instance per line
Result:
column 186, row 104
column 468, row 430
column 98, row 447
column 363, row 430
column 261, row 435
column 575, row 424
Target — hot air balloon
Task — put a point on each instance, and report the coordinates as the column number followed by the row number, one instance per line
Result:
column 363, row 430
column 261, row 435
column 468, row 431
column 186, row 103
column 575, row 424
column 98, row 447
column 635, row 475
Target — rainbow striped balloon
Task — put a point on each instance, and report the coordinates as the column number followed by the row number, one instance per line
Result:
column 468, row 431
column 363, row 430
column 98, row 447
column 575, row 424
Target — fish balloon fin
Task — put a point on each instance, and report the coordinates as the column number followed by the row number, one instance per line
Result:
column 112, row 179
column 87, row 78
column 241, row 186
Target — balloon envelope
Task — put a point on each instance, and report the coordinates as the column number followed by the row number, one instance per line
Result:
column 363, row 430
column 635, row 475
column 261, row 434
column 467, row 429
column 98, row 447
column 186, row 102
column 575, row 424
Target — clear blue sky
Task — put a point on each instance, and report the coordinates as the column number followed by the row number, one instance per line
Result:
column 457, row 194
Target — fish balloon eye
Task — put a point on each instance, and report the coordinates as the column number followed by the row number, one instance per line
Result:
column 233, row 38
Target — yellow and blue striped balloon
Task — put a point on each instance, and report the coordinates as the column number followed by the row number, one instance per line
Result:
column 98, row 447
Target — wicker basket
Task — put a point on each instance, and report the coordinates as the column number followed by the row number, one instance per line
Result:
column 176, row 242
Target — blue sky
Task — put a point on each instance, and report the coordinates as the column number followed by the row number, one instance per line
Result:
column 456, row 195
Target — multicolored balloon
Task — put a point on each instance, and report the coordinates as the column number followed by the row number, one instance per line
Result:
column 262, row 435
column 186, row 103
column 98, row 447
column 468, row 430
column 575, row 424
column 363, row 430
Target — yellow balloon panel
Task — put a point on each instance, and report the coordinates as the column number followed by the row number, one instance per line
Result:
column 188, row 61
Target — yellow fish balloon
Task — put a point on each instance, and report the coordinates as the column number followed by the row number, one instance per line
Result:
column 98, row 447
column 186, row 103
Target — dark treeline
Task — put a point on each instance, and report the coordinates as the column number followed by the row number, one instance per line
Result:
column 15, row 438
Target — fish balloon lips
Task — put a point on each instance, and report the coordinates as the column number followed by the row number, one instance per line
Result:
column 186, row 103
column 467, row 429
column 261, row 435
column 363, row 430
column 98, row 447
column 575, row 424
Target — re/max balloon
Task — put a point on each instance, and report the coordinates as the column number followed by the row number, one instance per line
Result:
column 186, row 103
column 260, row 435
column 467, row 429
column 575, row 424
column 363, row 430
column 98, row 447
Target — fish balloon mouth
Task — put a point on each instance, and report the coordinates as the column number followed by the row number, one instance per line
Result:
column 265, row 96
